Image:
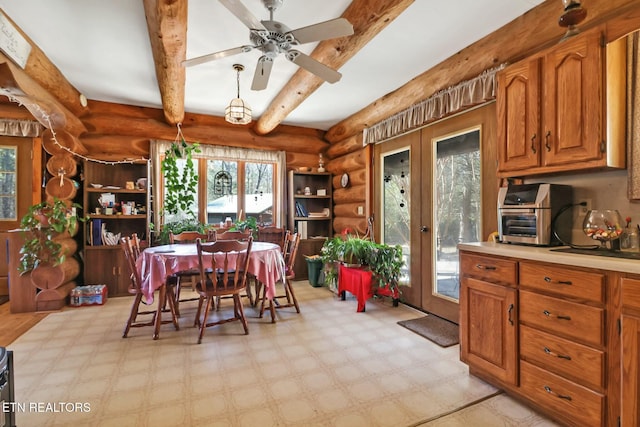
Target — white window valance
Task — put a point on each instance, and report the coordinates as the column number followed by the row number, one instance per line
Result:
column 22, row 128
column 444, row 103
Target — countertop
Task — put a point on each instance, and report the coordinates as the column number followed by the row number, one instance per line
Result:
column 545, row 254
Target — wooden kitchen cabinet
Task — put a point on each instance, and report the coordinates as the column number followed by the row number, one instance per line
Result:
column 562, row 340
column 562, row 351
column 630, row 360
column 488, row 317
column 563, row 109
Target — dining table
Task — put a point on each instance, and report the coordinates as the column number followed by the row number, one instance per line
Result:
column 157, row 263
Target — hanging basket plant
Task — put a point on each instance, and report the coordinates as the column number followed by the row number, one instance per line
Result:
column 181, row 184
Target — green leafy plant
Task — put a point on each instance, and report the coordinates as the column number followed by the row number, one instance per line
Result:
column 180, row 185
column 177, row 227
column 250, row 223
column 42, row 223
column 384, row 261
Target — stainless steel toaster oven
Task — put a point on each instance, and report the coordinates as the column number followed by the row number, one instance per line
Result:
column 527, row 212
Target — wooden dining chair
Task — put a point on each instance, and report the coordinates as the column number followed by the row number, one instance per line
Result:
column 234, row 235
column 191, row 274
column 135, row 288
column 220, row 276
column 271, row 234
column 289, row 253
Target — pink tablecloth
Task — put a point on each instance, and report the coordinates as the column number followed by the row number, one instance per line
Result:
column 158, row 262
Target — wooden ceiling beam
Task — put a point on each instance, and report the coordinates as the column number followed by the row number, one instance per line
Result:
column 46, row 74
column 368, row 18
column 167, row 27
column 16, row 85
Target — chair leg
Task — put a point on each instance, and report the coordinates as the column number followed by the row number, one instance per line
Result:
column 272, row 308
column 133, row 315
column 240, row 313
column 289, row 291
column 196, row 322
column 176, row 298
column 171, row 299
column 203, row 324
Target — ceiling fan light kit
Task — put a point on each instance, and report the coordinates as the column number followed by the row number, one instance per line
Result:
column 273, row 38
column 238, row 112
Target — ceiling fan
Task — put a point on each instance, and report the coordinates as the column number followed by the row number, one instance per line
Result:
column 273, row 38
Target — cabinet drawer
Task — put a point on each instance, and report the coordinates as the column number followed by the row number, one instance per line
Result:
column 577, row 362
column 489, row 268
column 582, row 406
column 631, row 293
column 563, row 281
column 581, row 322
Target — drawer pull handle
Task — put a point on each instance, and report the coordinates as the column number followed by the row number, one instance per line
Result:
column 560, row 282
column 485, row 267
column 560, row 356
column 560, row 396
column 511, row 307
column 559, row 316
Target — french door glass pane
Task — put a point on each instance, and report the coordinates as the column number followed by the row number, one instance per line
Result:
column 258, row 201
column 456, row 206
column 396, row 204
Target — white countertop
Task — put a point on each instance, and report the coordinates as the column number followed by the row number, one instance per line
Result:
column 545, row 254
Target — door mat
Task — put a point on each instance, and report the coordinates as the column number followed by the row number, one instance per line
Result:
column 434, row 328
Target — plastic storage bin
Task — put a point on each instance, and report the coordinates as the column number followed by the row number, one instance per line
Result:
column 314, row 267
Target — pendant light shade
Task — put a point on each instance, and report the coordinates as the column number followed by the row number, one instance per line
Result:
column 238, row 112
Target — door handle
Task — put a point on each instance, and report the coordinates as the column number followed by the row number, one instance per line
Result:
column 424, row 229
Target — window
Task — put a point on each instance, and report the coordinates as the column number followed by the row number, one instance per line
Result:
column 234, row 182
column 8, row 183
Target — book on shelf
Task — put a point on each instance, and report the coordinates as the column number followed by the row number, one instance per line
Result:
column 96, row 232
column 302, row 229
column 301, row 210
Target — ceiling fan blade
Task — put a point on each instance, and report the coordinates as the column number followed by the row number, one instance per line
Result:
column 216, row 55
column 243, row 14
column 263, row 71
column 318, row 68
column 338, row 27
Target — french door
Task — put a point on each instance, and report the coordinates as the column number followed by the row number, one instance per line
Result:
column 430, row 195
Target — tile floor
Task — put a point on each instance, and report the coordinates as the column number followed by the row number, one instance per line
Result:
column 328, row 366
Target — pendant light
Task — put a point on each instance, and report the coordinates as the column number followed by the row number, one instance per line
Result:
column 573, row 14
column 238, row 112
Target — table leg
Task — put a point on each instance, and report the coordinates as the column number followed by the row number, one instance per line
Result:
column 162, row 296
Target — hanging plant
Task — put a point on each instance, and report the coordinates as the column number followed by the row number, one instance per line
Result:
column 180, row 185
column 41, row 224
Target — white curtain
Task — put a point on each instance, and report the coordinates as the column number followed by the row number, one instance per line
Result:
column 444, row 103
column 158, row 148
column 23, row 128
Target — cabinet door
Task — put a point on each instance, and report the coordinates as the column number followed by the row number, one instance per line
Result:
column 630, row 373
column 573, row 101
column 518, row 104
column 488, row 328
column 107, row 267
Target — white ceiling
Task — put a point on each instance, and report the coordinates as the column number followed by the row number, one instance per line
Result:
column 102, row 47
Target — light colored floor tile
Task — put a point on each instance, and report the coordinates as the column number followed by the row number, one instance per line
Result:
column 328, row 366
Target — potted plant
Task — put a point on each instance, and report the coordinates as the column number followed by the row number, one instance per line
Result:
column 384, row 261
column 43, row 223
